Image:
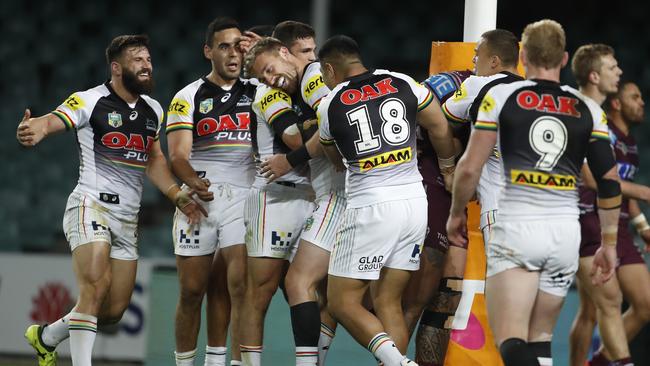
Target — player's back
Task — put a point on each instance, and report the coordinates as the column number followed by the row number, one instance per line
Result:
column 372, row 119
column 544, row 131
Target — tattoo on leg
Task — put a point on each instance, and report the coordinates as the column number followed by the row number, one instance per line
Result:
column 431, row 345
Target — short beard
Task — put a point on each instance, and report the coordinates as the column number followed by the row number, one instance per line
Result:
column 134, row 86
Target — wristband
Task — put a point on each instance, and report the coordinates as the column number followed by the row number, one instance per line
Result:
column 298, row 156
column 609, row 235
column 640, row 223
column 447, row 165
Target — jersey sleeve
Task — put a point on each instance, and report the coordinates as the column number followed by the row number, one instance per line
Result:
column 271, row 104
column 180, row 112
column 75, row 111
column 326, row 137
column 160, row 112
column 600, row 130
column 488, row 112
column 313, row 88
column 457, row 107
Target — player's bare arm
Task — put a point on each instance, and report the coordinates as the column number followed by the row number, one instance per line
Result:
column 180, row 147
column 640, row 223
column 333, row 155
column 468, row 171
column 440, row 134
column 160, row 175
column 278, row 165
column 629, row 189
column 32, row 130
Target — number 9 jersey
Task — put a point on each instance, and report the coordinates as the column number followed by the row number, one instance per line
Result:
column 544, row 130
column 378, row 136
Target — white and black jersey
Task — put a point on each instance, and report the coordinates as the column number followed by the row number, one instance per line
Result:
column 372, row 119
column 114, row 140
column 544, row 130
column 220, row 121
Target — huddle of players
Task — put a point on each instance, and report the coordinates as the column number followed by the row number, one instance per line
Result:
column 373, row 219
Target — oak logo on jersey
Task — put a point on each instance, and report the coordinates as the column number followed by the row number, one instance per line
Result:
column 119, row 140
column 272, row 97
column 114, row 119
column 74, row 102
column 206, row 106
column 315, row 82
column 368, row 92
column 209, row 125
column 179, row 107
column 543, row 180
column 548, row 103
column 394, row 157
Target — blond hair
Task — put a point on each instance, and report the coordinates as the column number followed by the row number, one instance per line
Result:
column 267, row 44
column 589, row 58
column 544, row 42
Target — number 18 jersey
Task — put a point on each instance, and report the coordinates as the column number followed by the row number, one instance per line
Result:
column 371, row 118
column 543, row 133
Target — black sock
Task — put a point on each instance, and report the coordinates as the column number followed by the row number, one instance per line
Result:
column 516, row 352
column 542, row 350
column 305, row 321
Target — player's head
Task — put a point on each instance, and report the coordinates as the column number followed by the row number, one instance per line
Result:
column 543, row 45
column 628, row 102
column 221, row 48
column 299, row 39
column 336, row 56
column 129, row 60
column 262, row 30
column 498, row 49
column 595, row 64
column 269, row 61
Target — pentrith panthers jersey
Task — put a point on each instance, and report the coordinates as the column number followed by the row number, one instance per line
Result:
column 372, row 119
column 219, row 120
column 543, row 133
column 324, row 178
column 270, row 103
column 462, row 107
column 114, row 139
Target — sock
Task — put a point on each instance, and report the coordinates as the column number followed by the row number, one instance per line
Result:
column 83, row 329
column 384, row 349
column 235, row 363
column 215, row 356
column 515, row 352
column 55, row 333
column 305, row 322
column 251, row 355
column 598, row 359
column 543, row 352
column 627, row 361
column 185, row 358
column 324, row 342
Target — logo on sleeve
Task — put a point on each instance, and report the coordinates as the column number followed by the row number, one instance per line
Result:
column 272, row 97
column 314, row 83
column 206, row 106
column 114, row 119
column 487, row 104
column 74, row 102
column 179, row 107
column 461, row 93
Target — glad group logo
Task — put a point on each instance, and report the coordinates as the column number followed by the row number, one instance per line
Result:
column 52, row 301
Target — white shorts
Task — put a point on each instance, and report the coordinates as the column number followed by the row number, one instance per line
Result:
column 86, row 221
column 320, row 229
column 387, row 234
column 274, row 217
column 546, row 246
column 223, row 227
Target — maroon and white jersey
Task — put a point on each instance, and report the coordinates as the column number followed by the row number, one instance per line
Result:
column 220, row 122
column 114, row 139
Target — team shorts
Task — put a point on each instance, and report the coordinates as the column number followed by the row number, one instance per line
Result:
column 86, row 221
column 224, row 226
column 387, row 234
column 546, row 246
column 627, row 251
column 274, row 217
column 320, row 228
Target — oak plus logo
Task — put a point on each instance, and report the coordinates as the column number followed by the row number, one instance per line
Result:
column 52, row 301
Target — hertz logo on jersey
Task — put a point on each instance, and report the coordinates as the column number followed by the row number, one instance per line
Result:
column 543, row 180
column 179, row 107
column 74, row 102
column 487, row 104
column 394, row 157
column 314, row 83
column 272, row 97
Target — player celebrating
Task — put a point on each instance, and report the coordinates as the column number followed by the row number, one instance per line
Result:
column 369, row 121
column 117, row 127
column 210, row 151
column 544, row 130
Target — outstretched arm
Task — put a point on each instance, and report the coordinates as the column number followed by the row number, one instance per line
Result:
column 31, row 131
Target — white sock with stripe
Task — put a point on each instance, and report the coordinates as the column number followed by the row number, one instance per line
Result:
column 324, row 342
column 185, row 358
column 83, row 329
column 306, row 356
column 215, row 356
column 57, row 332
column 251, row 355
column 385, row 350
